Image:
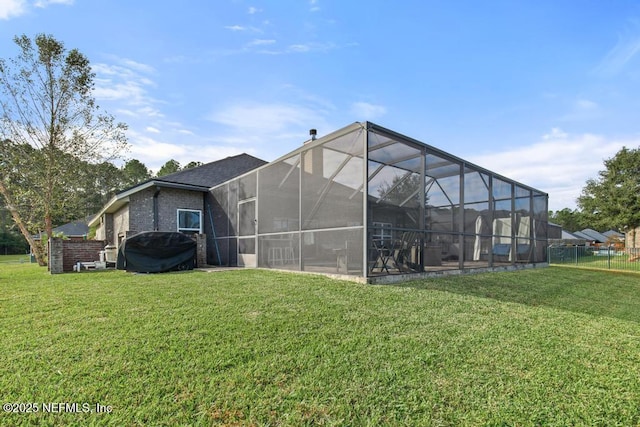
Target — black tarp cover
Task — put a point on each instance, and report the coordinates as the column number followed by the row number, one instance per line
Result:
column 157, row 252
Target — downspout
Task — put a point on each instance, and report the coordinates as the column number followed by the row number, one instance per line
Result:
column 155, row 209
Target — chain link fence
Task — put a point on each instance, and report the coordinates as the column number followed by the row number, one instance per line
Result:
column 608, row 258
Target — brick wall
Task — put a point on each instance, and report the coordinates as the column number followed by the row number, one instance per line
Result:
column 64, row 254
column 170, row 200
column 140, row 208
column 201, row 248
column 56, row 256
column 140, row 211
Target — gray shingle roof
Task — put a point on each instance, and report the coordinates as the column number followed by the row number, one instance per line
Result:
column 568, row 236
column 613, row 234
column 581, row 235
column 75, row 228
column 71, row 229
column 214, row 173
column 598, row 237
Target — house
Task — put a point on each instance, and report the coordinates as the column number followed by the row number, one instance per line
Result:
column 554, row 231
column 615, row 239
column 614, row 236
column 74, row 230
column 175, row 202
column 559, row 237
column 363, row 202
column 592, row 236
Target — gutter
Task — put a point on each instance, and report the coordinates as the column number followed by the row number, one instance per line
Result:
column 155, row 209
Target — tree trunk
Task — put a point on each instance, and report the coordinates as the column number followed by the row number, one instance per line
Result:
column 36, row 247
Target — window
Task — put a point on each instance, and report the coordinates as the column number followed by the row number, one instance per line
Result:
column 189, row 221
column 382, row 232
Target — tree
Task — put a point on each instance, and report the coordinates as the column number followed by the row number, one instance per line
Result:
column 570, row 220
column 134, row 172
column 171, row 166
column 49, row 113
column 613, row 199
column 192, row 164
column 11, row 242
column 95, row 185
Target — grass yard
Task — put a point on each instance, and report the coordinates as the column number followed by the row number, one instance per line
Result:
column 547, row 347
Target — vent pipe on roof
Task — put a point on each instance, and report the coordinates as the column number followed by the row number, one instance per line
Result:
column 313, row 133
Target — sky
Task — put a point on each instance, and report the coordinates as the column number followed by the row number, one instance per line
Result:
column 540, row 91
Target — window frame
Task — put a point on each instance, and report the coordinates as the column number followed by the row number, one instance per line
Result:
column 186, row 229
column 382, row 232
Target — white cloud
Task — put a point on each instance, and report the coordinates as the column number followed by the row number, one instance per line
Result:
column 253, row 10
column 45, row 3
column 261, row 42
column 151, row 129
column 268, row 118
column 367, row 111
column 299, row 48
column 582, row 110
column 126, row 82
column 12, row 8
column 235, row 28
column 559, row 164
column 556, row 133
column 627, row 46
column 154, row 152
column 585, row 104
column 260, row 126
column 310, row 47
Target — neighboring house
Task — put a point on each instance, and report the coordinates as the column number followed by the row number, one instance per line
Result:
column 595, row 235
column 175, row 202
column 560, row 237
column 615, row 239
column 554, row 231
column 75, row 230
column 571, row 237
column 614, row 236
column 592, row 236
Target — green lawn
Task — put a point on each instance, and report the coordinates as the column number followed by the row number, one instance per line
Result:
column 551, row 346
column 12, row 259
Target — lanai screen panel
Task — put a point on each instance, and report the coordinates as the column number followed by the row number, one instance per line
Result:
column 332, row 195
column 477, row 218
column 540, row 216
column 395, row 204
column 426, row 210
column 332, row 189
column 443, row 211
column 279, row 196
column 501, row 223
column 429, row 211
column 279, row 214
column 395, row 184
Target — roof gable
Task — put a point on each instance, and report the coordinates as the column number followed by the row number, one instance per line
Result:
column 200, row 178
column 214, row 173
